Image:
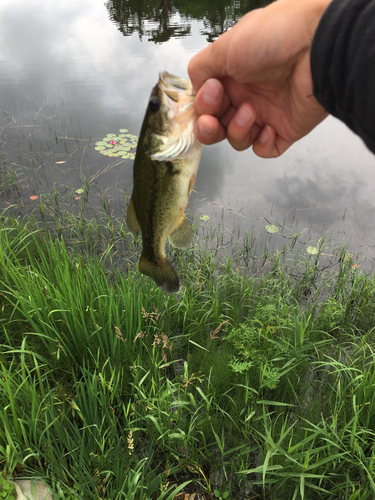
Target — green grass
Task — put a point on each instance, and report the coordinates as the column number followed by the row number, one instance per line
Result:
column 256, row 380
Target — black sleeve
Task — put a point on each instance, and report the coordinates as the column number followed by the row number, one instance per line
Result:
column 343, row 65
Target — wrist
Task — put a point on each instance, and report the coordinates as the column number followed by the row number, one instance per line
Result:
column 313, row 13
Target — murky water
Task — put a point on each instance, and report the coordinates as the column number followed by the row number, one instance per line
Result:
column 72, row 72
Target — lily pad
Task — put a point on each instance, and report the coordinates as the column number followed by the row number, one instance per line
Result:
column 272, row 228
column 79, row 191
column 312, row 250
column 204, row 217
column 122, row 145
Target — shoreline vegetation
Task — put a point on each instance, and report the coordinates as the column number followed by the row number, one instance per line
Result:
column 255, row 381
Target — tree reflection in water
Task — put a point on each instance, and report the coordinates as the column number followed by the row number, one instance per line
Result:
column 160, row 20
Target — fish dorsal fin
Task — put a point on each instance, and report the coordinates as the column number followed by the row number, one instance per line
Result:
column 162, row 273
column 131, row 219
column 182, row 235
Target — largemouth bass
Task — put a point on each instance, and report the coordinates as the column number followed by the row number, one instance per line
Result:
column 165, row 168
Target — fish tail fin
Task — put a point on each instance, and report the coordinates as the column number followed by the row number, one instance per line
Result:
column 162, row 273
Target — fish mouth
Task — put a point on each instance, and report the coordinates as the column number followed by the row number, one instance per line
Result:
column 177, row 98
column 175, row 82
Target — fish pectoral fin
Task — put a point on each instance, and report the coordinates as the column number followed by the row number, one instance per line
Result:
column 191, row 184
column 162, row 273
column 182, row 236
column 131, row 219
column 170, row 172
column 166, row 182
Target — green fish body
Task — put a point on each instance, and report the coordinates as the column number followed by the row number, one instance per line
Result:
column 165, row 168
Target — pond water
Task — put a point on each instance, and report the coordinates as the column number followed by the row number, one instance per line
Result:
column 72, row 72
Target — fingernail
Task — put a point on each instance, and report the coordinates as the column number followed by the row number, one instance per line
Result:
column 265, row 136
column 211, row 91
column 243, row 116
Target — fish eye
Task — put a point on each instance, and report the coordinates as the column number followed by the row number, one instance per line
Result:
column 154, row 104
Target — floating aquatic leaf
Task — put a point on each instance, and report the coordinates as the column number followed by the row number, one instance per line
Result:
column 79, row 191
column 271, row 228
column 118, row 145
column 312, row 250
column 204, row 217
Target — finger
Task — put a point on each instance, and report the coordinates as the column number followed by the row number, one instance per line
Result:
column 241, row 131
column 209, row 130
column 227, row 117
column 268, row 145
column 211, row 99
column 208, row 63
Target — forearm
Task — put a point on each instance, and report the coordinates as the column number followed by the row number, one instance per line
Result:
column 343, row 65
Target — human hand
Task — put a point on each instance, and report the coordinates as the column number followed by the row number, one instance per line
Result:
column 254, row 84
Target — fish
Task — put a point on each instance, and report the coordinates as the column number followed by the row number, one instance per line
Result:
column 164, row 172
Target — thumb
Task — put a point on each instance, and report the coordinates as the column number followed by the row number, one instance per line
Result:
column 209, row 63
